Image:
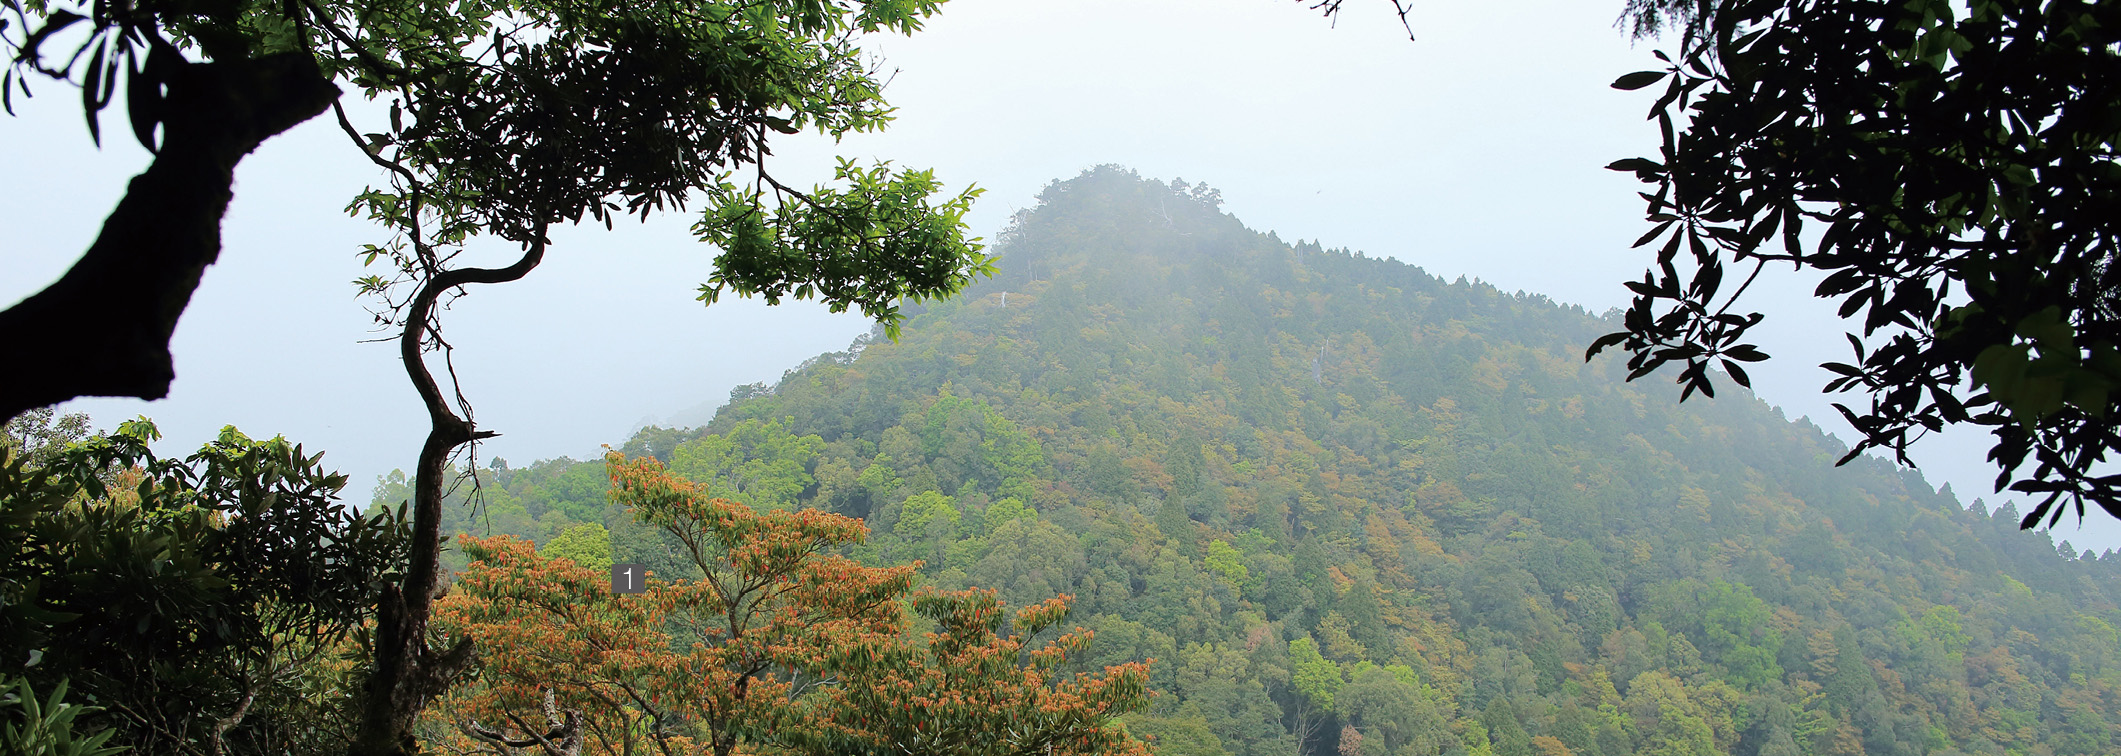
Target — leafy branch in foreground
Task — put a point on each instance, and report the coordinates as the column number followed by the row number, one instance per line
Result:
column 1959, row 166
column 203, row 603
column 559, row 112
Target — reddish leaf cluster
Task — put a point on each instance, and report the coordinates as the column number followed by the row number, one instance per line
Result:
column 970, row 690
column 782, row 643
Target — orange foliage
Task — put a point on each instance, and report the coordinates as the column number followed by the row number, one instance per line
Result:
column 1548, row 745
column 969, row 690
column 791, row 646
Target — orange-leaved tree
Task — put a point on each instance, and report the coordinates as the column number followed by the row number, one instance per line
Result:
column 782, row 644
column 566, row 647
column 970, row 690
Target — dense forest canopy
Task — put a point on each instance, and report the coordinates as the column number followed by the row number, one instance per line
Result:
column 1337, row 506
column 1351, row 508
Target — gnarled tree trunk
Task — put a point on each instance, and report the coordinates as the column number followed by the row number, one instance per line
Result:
column 408, row 674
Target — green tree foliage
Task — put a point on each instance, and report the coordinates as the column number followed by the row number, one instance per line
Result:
column 588, row 546
column 1005, row 511
column 1225, row 682
column 1389, row 705
column 1183, row 733
column 1959, row 160
column 1177, row 528
column 928, row 521
column 780, row 644
column 204, row 603
column 656, row 441
column 45, row 727
column 38, row 435
column 979, row 687
column 504, row 120
column 976, row 444
column 1226, row 561
column 1458, row 518
column 1316, row 681
column 928, row 514
column 1736, row 629
column 756, row 463
column 1505, row 732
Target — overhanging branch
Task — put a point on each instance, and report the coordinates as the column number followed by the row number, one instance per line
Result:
column 103, row 329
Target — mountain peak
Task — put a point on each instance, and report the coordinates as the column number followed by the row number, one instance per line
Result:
column 1353, row 508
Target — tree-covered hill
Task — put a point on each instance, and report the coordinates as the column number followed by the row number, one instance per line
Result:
column 1351, row 508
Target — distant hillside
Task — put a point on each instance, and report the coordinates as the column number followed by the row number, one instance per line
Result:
column 1352, row 509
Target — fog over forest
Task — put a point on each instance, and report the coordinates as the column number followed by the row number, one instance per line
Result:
column 1097, row 378
column 1448, row 151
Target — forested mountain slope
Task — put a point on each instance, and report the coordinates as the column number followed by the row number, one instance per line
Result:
column 1351, row 508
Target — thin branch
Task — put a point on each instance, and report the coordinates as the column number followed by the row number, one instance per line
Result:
column 1331, row 9
column 399, row 75
column 347, row 126
column 1742, row 287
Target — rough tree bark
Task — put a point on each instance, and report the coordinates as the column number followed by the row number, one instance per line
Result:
column 103, row 329
column 407, row 673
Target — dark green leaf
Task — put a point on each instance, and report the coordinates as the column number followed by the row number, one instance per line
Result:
column 1639, row 79
column 1737, row 373
column 1639, row 165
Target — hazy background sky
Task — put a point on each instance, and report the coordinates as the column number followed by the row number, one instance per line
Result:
column 1477, row 150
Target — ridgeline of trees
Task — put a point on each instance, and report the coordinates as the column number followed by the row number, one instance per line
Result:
column 1354, row 509
column 1350, row 508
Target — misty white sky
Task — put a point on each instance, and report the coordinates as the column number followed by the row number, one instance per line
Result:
column 1476, row 150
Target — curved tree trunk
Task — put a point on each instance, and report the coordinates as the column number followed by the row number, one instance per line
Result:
column 103, row 329
column 407, row 673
